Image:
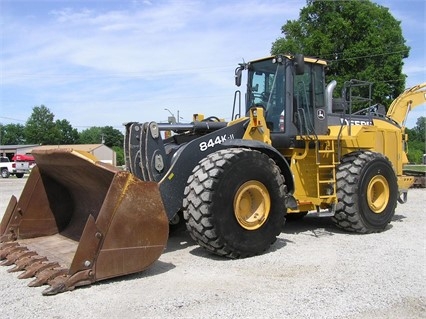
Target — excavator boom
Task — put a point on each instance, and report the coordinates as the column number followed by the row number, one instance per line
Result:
column 407, row 101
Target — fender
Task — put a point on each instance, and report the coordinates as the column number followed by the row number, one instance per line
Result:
column 271, row 152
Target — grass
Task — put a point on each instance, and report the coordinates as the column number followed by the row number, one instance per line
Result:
column 418, row 168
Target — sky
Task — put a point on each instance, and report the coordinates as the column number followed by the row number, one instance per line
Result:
column 108, row 62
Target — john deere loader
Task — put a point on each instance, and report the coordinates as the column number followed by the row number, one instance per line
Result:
column 292, row 149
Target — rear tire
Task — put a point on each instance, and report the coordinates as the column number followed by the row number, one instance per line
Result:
column 5, row 173
column 19, row 175
column 234, row 203
column 367, row 192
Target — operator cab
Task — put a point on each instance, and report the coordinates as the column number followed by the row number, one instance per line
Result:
column 291, row 89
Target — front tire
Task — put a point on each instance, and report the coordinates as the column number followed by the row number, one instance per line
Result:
column 5, row 173
column 367, row 192
column 234, row 203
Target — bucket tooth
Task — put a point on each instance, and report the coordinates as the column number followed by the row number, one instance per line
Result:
column 8, row 244
column 33, row 269
column 25, row 262
column 12, row 258
column 13, row 250
column 57, row 285
column 44, row 276
column 15, row 269
column 58, row 280
column 6, row 248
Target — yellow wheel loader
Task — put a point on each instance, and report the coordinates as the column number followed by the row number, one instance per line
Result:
column 291, row 150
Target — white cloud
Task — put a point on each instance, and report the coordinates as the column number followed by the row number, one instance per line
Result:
column 105, row 64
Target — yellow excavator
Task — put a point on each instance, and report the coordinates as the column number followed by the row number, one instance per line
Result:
column 293, row 149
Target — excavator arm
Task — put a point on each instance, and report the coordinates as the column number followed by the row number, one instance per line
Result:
column 407, row 101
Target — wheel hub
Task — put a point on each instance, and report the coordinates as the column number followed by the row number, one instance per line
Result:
column 252, row 204
column 378, row 194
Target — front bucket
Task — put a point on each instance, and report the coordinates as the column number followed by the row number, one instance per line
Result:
column 78, row 221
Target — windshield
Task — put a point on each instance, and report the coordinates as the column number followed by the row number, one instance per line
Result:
column 266, row 89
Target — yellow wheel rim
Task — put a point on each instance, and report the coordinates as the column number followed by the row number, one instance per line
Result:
column 251, row 205
column 378, row 194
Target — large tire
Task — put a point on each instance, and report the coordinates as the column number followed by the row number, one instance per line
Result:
column 367, row 192
column 19, row 175
column 5, row 173
column 234, row 203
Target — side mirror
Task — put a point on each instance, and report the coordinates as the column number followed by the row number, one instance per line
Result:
column 238, row 75
column 299, row 64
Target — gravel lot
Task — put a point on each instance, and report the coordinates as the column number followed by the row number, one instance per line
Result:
column 314, row 270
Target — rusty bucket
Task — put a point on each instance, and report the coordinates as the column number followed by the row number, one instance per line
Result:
column 79, row 221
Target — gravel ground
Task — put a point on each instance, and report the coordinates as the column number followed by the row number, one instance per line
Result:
column 313, row 270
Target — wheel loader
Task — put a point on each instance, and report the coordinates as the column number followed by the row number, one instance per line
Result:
column 292, row 149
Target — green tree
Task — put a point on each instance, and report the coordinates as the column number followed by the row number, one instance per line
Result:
column 12, row 134
column 92, row 135
column 361, row 40
column 112, row 137
column 106, row 135
column 68, row 134
column 417, row 141
column 420, row 129
column 40, row 127
column 119, row 152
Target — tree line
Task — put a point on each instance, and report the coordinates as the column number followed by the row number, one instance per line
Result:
column 42, row 128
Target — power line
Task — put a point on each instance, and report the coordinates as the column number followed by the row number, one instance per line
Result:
column 366, row 56
column 123, row 74
column 12, row 119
